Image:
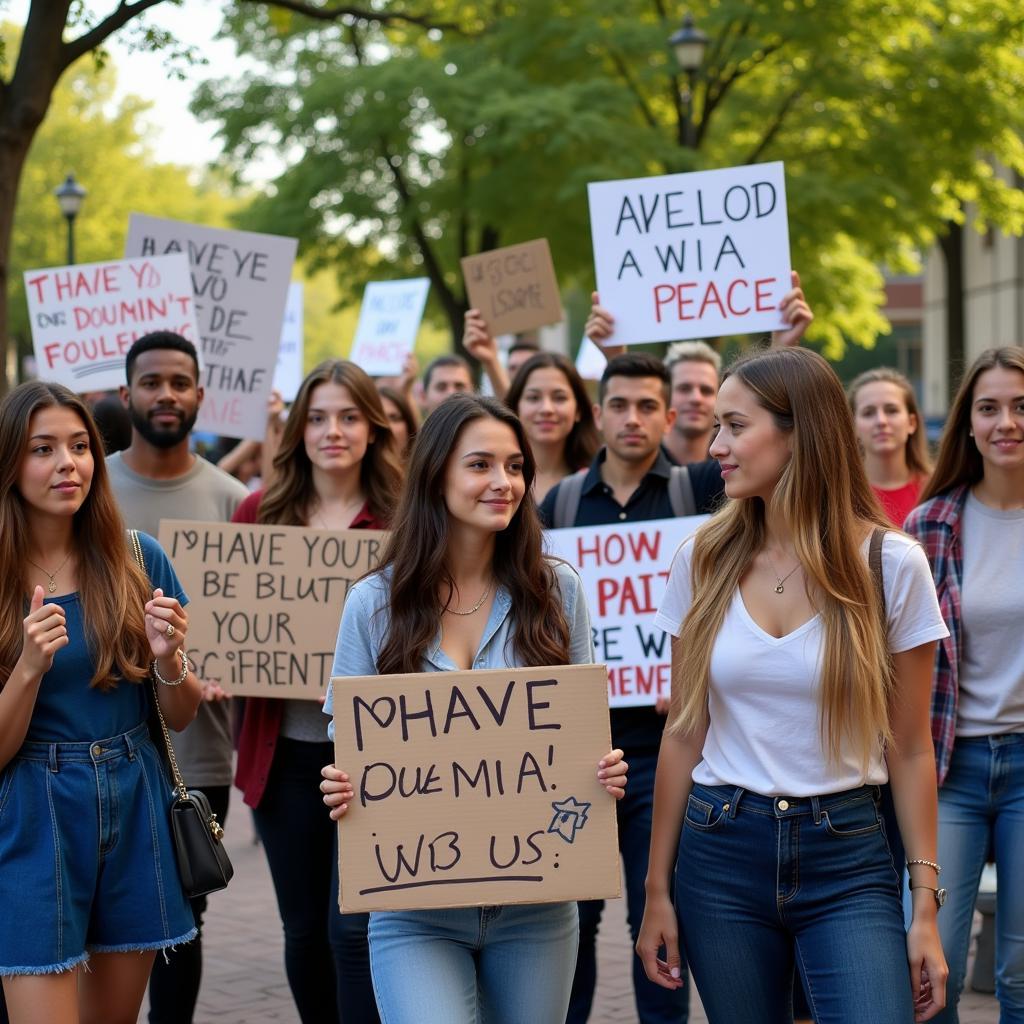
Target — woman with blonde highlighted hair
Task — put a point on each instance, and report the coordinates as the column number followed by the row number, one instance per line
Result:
column 805, row 633
column 891, row 433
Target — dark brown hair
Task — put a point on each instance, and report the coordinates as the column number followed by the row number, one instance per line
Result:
column 404, row 406
column 583, row 442
column 959, row 462
column 112, row 589
column 417, row 552
column 290, row 498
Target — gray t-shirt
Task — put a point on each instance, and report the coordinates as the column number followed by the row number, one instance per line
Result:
column 991, row 696
column 207, row 494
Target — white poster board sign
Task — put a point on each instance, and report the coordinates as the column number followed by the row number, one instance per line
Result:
column 624, row 568
column 288, row 372
column 590, row 360
column 240, row 281
column 389, row 320
column 697, row 255
column 85, row 317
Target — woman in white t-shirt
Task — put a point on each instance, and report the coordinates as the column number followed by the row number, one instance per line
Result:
column 791, row 706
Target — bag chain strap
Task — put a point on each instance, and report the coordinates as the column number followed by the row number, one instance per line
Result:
column 179, row 782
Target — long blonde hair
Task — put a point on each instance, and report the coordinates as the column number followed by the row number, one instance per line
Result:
column 918, row 460
column 824, row 497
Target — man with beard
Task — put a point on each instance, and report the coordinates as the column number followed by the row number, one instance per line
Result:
column 157, row 477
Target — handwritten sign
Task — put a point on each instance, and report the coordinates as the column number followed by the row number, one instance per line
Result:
column 240, row 282
column 475, row 788
column 692, row 255
column 389, row 319
column 265, row 601
column 515, row 288
column 85, row 317
column 624, row 570
column 288, row 372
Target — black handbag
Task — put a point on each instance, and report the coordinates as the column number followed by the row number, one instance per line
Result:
column 203, row 863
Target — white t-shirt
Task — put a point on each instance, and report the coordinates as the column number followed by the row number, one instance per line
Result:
column 764, row 717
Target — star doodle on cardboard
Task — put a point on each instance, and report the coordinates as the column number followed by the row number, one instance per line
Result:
column 570, row 817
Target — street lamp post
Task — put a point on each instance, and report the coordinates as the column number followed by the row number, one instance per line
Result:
column 70, row 196
column 689, row 44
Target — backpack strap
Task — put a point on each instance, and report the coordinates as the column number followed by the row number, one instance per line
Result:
column 680, row 492
column 875, row 565
column 567, row 500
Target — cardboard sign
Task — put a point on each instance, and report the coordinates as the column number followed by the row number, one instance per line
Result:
column 265, row 601
column 624, row 569
column 85, row 317
column 389, row 320
column 475, row 788
column 515, row 288
column 692, row 255
column 590, row 360
column 288, row 372
column 240, row 281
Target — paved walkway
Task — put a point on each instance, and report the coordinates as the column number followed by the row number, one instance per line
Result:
column 244, row 979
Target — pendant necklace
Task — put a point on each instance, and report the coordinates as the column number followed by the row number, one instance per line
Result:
column 477, row 606
column 51, row 576
column 780, row 580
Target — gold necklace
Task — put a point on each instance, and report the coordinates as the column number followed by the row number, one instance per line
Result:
column 475, row 607
column 51, row 576
column 780, row 580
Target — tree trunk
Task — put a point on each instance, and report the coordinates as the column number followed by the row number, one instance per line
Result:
column 952, row 245
column 13, row 151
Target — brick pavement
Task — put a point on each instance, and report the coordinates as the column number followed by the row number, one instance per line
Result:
column 244, row 979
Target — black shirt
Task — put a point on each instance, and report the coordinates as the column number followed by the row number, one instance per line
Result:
column 638, row 729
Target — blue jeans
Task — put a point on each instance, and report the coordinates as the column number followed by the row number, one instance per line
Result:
column 764, row 883
column 654, row 1005
column 981, row 815
column 494, row 965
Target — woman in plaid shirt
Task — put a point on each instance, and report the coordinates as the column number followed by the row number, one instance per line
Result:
column 972, row 527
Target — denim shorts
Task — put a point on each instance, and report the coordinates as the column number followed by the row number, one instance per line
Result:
column 86, row 859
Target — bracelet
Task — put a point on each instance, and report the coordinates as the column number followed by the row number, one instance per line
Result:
column 172, row 682
column 926, row 863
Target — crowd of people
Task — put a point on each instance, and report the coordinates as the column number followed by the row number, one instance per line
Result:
column 847, row 709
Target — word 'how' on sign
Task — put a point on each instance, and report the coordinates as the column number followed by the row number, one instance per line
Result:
column 624, row 568
column 515, row 288
column 693, row 255
column 85, row 318
column 265, row 601
column 476, row 787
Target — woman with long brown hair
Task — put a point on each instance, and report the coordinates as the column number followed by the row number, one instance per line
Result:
column 87, row 868
column 801, row 675
column 336, row 469
column 549, row 397
column 464, row 584
column 890, row 430
column 401, row 415
column 971, row 523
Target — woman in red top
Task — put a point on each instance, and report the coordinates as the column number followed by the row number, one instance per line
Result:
column 892, row 439
column 336, row 469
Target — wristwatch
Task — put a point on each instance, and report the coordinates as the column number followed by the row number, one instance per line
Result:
column 940, row 894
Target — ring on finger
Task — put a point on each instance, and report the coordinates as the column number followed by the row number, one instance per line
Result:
column 170, row 631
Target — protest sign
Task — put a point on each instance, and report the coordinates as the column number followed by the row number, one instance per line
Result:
column 240, row 282
column 515, row 288
column 389, row 319
column 85, row 317
column 475, row 788
column 590, row 360
column 288, row 371
column 692, row 255
column 265, row 601
column 624, row 569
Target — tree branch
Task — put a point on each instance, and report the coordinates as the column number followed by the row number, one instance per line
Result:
column 98, row 34
column 342, row 11
column 711, row 101
column 634, row 88
column 776, row 124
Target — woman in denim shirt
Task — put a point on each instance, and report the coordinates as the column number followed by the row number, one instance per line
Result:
column 465, row 585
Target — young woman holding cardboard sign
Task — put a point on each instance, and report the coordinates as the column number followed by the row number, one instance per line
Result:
column 87, row 867
column 464, row 584
column 336, row 469
column 797, row 692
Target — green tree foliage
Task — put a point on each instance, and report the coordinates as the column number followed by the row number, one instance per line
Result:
column 104, row 143
column 403, row 150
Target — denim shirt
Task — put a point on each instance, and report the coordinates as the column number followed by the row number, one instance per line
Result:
column 364, row 624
